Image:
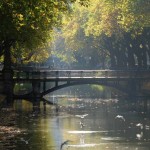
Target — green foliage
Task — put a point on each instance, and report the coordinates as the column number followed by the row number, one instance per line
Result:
column 98, row 88
column 116, row 16
column 22, row 87
column 108, row 17
column 29, row 24
column 105, row 25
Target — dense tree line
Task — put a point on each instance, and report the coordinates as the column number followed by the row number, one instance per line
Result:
column 114, row 30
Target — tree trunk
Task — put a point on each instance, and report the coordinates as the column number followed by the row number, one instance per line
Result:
column 113, row 60
column 8, row 75
column 131, row 61
column 144, row 59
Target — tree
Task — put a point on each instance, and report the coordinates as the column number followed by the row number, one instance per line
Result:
column 29, row 24
column 115, row 27
column 117, row 16
column 26, row 27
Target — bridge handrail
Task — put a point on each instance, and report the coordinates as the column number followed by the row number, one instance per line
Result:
column 79, row 74
column 47, row 73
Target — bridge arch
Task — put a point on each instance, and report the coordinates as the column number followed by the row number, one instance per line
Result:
column 122, row 80
column 115, row 85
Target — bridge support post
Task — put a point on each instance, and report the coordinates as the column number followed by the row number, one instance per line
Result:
column 44, row 86
column 44, row 105
column 36, row 95
column 145, row 106
column 132, row 88
column 8, row 86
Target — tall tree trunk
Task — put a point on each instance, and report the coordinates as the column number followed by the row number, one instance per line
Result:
column 131, row 61
column 109, row 47
column 8, row 74
column 130, row 52
column 113, row 60
column 144, row 59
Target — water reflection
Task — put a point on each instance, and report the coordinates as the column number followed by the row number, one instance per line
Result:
column 101, row 126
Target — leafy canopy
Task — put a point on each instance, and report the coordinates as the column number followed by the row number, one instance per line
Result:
column 30, row 23
column 103, row 19
column 116, row 16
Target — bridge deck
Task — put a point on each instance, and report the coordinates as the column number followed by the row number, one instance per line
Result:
column 63, row 75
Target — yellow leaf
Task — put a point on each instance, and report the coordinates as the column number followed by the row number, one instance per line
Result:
column 32, row 26
column 20, row 17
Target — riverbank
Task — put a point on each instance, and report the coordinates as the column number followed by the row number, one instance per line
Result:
column 2, row 98
column 8, row 129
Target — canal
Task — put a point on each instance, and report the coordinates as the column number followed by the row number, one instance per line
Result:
column 83, row 124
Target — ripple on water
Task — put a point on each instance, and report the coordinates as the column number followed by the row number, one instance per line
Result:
column 112, row 138
column 84, row 145
column 84, row 132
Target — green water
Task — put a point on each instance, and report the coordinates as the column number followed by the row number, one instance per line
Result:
column 100, row 129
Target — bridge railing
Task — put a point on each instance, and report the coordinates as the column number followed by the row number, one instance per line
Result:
column 48, row 74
